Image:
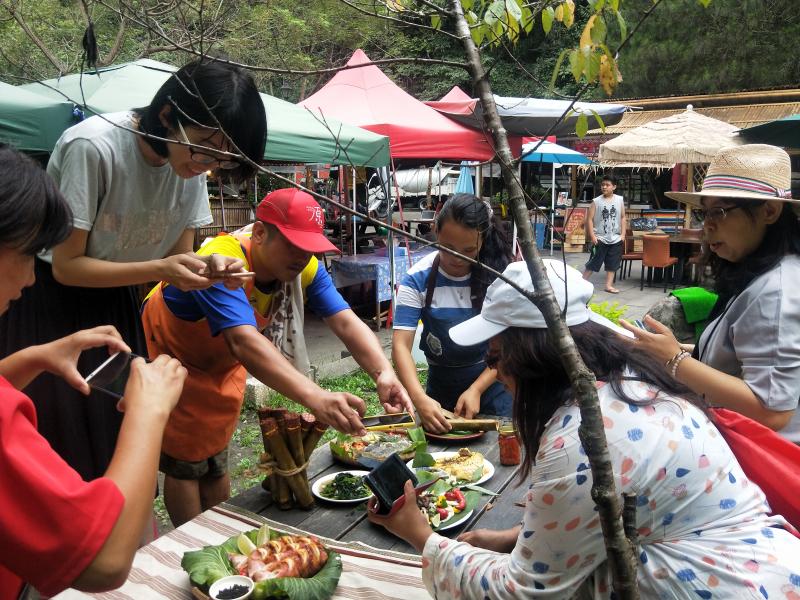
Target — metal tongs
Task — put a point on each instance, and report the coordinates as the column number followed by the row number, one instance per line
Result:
column 388, row 421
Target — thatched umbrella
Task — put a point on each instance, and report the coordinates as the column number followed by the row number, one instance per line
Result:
column 688, row 137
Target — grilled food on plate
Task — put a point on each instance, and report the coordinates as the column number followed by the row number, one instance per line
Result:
column 464, row 466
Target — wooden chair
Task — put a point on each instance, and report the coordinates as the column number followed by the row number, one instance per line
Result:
column 628, row 256
column 655, row 255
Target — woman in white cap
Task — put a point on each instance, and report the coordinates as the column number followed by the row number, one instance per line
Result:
column 704, row 529
column 748, row 358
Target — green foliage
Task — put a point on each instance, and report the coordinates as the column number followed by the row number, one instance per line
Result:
column 686, row 48
column 612, row 311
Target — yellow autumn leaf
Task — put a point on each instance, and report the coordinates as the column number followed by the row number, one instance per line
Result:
column 569, row 13
column 608, row 77
column 586, row 36
column 560, row 12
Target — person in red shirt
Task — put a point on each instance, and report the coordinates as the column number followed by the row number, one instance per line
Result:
column 57, row 529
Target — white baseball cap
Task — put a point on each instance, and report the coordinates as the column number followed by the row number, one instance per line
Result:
column 505, row 307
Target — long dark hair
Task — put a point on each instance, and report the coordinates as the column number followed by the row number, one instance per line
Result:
column 780, row 239
column 33, row 214
column 469, row 211
column 542, row 384
column 230, row 94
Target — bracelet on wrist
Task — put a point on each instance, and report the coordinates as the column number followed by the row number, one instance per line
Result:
column 673, row 367
column 669, row 362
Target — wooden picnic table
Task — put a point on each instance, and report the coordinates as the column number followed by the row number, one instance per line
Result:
column 349, row 523
column 385, row 568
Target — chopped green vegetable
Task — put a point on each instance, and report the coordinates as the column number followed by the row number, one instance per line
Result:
column 345, row 487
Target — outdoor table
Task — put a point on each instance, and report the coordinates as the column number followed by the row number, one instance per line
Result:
column 683, row 248
column 376, row 564
column 351, row 270
column 157, row 572
column 349, row 522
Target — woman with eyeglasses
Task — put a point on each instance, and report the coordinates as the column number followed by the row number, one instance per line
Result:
column 136, row 184
column 442, row 290
column 748, row 357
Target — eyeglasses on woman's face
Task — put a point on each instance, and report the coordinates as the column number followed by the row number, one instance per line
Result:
column 202, row 158
column 712, row 215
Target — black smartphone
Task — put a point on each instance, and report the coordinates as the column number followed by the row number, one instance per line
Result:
column 112, row 376
column 387, row 480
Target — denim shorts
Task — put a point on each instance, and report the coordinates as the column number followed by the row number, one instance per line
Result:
column 216, row 466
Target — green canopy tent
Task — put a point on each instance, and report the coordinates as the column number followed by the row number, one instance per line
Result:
column 294, row 134
column 782, row 132
column 32, row 122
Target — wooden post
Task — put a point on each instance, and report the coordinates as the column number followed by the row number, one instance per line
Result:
column 687, row 219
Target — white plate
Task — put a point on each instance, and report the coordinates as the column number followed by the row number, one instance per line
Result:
column 316, row 488
column 457, row 522
column 488, row 468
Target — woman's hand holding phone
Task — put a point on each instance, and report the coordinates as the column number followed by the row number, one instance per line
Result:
column 153, row 387
column 61, row 356
column 407, row 522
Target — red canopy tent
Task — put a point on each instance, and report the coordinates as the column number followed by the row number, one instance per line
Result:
column 366, row 97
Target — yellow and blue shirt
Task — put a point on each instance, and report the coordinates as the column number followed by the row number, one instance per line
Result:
column 224, row 308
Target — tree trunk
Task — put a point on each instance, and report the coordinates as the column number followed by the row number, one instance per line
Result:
column 621, row 555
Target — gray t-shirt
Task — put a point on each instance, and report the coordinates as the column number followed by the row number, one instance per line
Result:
column 133, row 211
column 758, row 340
column 608, row 219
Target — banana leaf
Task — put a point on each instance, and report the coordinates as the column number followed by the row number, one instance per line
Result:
column 211, row 563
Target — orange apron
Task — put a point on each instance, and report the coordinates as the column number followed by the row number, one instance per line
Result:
column 202, row 423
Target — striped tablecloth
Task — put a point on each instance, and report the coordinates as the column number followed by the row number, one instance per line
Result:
column 367, row 573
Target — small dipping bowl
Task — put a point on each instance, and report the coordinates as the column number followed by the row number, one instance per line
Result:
column 226, row 583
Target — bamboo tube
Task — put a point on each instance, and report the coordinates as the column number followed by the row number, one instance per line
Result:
column 286, row 463
column 294, row 439
column 276, row 484
column 284, row 495
column 313, row 436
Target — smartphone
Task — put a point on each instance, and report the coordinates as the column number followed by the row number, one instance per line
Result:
column 112, row 376
column 387, row 482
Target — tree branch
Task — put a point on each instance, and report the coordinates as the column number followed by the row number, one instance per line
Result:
column 52, row 58
column 621, row 555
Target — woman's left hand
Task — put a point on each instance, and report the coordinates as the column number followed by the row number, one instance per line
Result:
column 469, row 403
column 407, row 522
column 659, row 342
column 61, row 356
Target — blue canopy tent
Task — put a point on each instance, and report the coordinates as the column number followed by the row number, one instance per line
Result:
column 464, row 183
column 543, row 151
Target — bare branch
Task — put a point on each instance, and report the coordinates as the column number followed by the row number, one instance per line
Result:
column 52, row 58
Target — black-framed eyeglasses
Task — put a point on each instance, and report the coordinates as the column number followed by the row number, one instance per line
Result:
column 202, row 158
column 712, row 215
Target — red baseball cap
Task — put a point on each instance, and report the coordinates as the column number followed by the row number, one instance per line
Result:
column 298, row 217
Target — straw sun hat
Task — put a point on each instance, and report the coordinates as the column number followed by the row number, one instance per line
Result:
column 752, row 171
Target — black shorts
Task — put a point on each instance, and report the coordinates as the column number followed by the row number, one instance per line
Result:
column 610, row 254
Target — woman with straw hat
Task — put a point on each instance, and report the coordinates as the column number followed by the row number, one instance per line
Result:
column 748, row 357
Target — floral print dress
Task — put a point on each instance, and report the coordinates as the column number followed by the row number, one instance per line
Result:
column 704, row 531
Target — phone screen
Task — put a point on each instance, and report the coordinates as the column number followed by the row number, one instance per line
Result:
column 112, row 376
column 387, row 481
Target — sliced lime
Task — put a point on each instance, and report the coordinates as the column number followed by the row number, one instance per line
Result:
column 262, row 537
column 245, row 545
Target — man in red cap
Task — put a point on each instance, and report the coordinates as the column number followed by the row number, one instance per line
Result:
column 217, row 334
